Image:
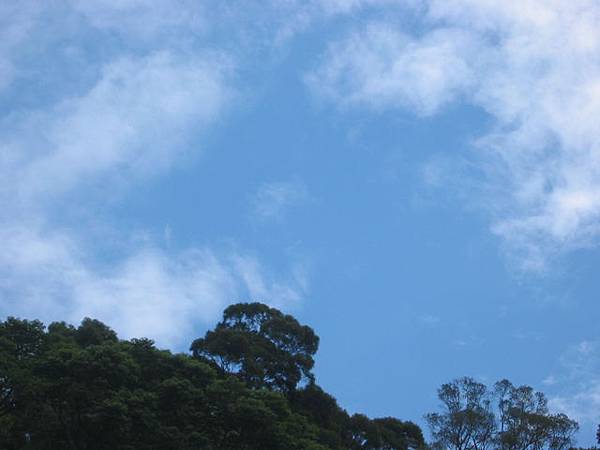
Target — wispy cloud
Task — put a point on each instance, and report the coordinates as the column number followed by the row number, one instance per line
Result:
column 134, row 120
column 147, row 292
column 576, row 385
column 381, row 67
column 284, row 292
column 148, row 96
column 273, row 200
column 534, row 67
column 430, row 320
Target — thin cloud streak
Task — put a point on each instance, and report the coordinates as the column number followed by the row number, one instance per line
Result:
column 273, row 200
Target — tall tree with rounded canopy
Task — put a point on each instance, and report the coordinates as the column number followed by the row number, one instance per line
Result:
column 265, row 347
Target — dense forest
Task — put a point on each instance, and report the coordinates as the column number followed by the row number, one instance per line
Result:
column 247, row 384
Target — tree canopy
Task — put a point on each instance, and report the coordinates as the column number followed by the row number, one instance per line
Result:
column 246, row 385
column 506, row 417
column 265, row 347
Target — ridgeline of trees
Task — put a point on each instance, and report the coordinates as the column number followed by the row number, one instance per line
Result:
column 247, row 385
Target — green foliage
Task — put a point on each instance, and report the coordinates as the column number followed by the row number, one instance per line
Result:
column 263, row 346
column 247, row 386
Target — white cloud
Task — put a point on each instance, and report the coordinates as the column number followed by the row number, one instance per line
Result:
column 144, row 106
column 134, row 120
column 381, row 67
column 533, row 66
column 582, row 405
column 282, row 293
column 577, row 385
column 273, row 200
column 149, row 292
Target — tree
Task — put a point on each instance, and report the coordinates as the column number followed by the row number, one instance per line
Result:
column 525, row 422
column 320, row 407
column 386, row 433
column 467, row 422
column 522, row 420
column 74, row 388
column 94, row 332
column 396, row 434
column 262, row 345
column 20, row 342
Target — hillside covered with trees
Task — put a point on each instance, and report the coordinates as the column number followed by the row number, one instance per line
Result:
column 247, row 384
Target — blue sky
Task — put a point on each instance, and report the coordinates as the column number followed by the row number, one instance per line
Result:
column 418, row 180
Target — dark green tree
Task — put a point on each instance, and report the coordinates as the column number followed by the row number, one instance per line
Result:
column 21, row 342
column 265, row 347
column 397, row 434
column 249, row 386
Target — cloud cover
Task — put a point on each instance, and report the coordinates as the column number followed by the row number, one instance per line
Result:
column 167, row 295
column 534, row 67
column 150, row 98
